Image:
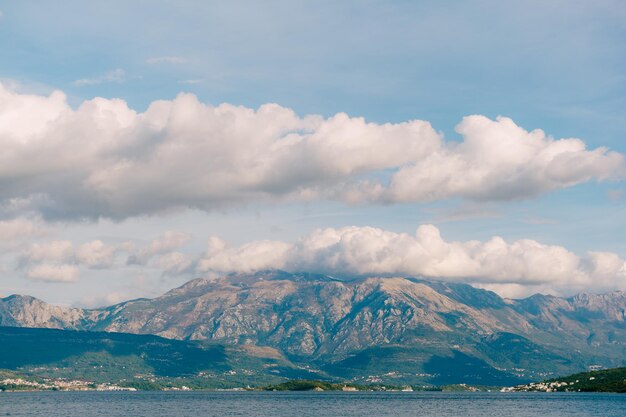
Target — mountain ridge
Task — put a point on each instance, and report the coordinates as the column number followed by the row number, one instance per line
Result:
column 326, row 320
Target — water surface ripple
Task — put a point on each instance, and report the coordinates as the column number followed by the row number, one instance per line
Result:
column 290, row 404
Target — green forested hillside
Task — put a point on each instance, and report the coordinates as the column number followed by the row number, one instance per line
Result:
column 137, row 359
column 608, row 380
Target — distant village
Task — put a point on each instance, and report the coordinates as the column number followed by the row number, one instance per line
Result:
column 553, row 386
column 20, row 384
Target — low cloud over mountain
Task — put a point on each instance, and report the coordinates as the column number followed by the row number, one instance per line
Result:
column 511, row 268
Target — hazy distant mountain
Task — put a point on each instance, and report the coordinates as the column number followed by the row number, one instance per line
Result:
column 368, row 326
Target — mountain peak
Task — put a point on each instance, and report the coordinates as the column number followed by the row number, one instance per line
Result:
column 19, row 297
column 315, row 315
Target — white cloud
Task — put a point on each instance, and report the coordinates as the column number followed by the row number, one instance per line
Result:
column 499, row 160
column 56, row 253
column 106, row 160
column 174, row 263
column 96, row 254
column 25, row 116
column 166, row 59
column 518, row 267
column 53, row 273
column 56, row 250
column 116, row 76
column 166, row 243
column 254, row 256
column 18, row 229
column 40, row 258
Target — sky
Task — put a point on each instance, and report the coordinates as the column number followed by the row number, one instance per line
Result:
column 147, row 143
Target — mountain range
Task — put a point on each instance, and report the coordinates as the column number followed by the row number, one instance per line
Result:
column 367, row 329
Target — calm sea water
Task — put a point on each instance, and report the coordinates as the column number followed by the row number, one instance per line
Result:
column 156, row 404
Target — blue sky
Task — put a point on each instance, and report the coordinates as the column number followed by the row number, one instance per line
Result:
column 553, row 65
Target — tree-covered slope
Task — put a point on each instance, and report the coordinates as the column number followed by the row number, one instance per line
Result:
column 607, row 380
column 114, row 357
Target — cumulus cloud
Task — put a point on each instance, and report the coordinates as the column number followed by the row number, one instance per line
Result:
column 499, row 160
column 56, row 250
column 116, row 76
column 164, row 244
column 60, row 260
column 174, row 263
column 54, row 257
column 514, row 268
column 18, row 229
column 511, row 268
column 53, row 273
column 96, row 254
column 254, row 256
column 104, row 159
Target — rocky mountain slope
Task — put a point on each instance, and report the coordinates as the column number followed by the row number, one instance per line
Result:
column 27, row 311
column 323, row 320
